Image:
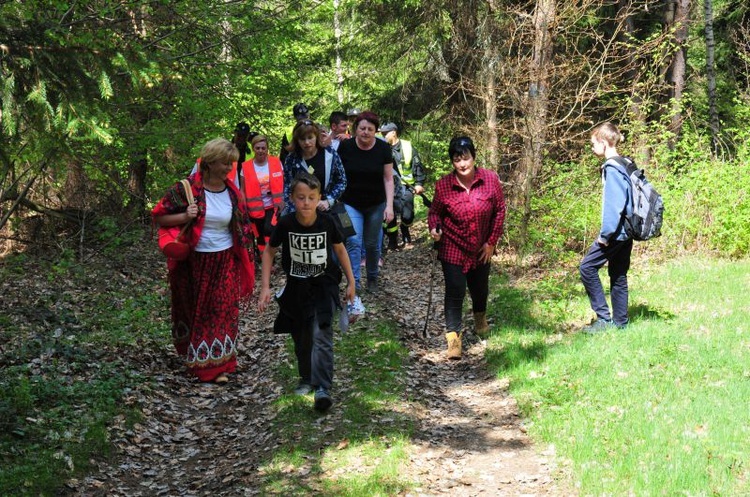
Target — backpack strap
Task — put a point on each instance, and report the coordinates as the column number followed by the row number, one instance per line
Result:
column 626, row 163
column 622, row 165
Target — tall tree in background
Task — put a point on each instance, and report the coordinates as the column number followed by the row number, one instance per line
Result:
column 676, row 21
column 713, row 113
column 536, row 103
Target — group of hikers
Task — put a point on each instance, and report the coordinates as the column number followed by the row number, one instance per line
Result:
column 330, row 202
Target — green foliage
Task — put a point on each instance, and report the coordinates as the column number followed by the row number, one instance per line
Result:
column 58, row 396
column 707, row 199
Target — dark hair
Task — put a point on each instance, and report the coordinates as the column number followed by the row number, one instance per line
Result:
column 308, row 179
column 301, row 130
column 368, row 116
column 460, row 145
column 336, row 117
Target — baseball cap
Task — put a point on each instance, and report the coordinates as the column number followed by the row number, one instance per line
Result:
column 388, row 127
column 242, row 128
column 300, row 110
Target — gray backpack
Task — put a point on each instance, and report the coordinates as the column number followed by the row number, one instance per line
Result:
column 647, row 214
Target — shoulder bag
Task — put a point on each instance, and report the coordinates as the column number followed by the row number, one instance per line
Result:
column 173, row 239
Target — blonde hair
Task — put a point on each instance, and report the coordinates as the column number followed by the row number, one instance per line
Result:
column 608, row 133
column 259, row 138
column 218, row 150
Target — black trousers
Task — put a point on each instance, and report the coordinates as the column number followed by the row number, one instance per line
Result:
column 456, row 282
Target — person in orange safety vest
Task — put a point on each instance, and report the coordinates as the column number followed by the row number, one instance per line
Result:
column 264, row 189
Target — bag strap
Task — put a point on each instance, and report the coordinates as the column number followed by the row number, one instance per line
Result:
column 188, row 191
column 190, row 200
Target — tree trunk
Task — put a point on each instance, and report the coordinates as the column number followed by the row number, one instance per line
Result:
column 676, row 18
column 713, row 114
column 339, row 66
column 536, row 109
column 490, row 65
column 633, row 75
column 137, row 170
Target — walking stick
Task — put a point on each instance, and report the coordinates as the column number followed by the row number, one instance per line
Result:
column 432, row 284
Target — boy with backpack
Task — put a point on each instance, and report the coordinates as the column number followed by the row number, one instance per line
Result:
column 614, row 245
column 308, row 301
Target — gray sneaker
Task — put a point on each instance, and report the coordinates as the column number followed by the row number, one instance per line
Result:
column 303, row 388
column 323, row 400
column 598, row 326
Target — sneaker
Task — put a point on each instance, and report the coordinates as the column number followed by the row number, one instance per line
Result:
column 303, row 388
column 355, row 310
column 598, row 326
column 323, row 400
column 372, row 285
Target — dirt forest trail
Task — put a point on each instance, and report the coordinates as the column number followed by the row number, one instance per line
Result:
column 209, row 440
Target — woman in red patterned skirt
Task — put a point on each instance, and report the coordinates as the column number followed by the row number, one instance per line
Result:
column 209, row 285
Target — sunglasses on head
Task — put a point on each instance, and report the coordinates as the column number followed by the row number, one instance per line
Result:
column 305, row 122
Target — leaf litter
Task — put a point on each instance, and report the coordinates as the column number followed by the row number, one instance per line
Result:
column 196, row 439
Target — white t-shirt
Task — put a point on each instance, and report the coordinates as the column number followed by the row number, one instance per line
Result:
column 216, row 236
column 264, row 179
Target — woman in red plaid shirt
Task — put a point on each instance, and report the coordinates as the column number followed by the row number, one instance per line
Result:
column 466, row 218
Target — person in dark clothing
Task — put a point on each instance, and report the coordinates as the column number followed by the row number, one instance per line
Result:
column 368, row 197
column 241, row 140
column 308, row 301
column 466, row 217
column 411, row 173
column 301, row 113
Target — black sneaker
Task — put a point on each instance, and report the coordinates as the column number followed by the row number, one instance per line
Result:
column 372, row 285
column 323, row 400
column 598, row 326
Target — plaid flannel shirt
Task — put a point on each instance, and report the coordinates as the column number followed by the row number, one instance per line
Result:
column 468, row 218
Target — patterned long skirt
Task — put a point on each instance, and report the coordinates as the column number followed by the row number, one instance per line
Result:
column 205, row 312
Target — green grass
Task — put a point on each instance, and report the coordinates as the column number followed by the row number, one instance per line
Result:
column 361, row 446
column 658, row 409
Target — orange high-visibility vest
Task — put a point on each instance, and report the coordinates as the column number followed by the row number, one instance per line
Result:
column 252, row 186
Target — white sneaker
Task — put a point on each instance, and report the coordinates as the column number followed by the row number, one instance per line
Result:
column 355, row 310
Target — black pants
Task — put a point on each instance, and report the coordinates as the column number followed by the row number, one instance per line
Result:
column 314, row 350
column 264, row 228
column 617, row 257
column 456, row 281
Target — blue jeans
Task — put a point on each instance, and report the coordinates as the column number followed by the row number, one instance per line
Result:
column 617, row 257
column 369, row 226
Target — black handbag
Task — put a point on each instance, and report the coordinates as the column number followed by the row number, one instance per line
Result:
column 342, row 220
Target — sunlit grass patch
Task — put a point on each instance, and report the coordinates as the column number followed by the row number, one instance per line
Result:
column 360, row 446
column 659, row 408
